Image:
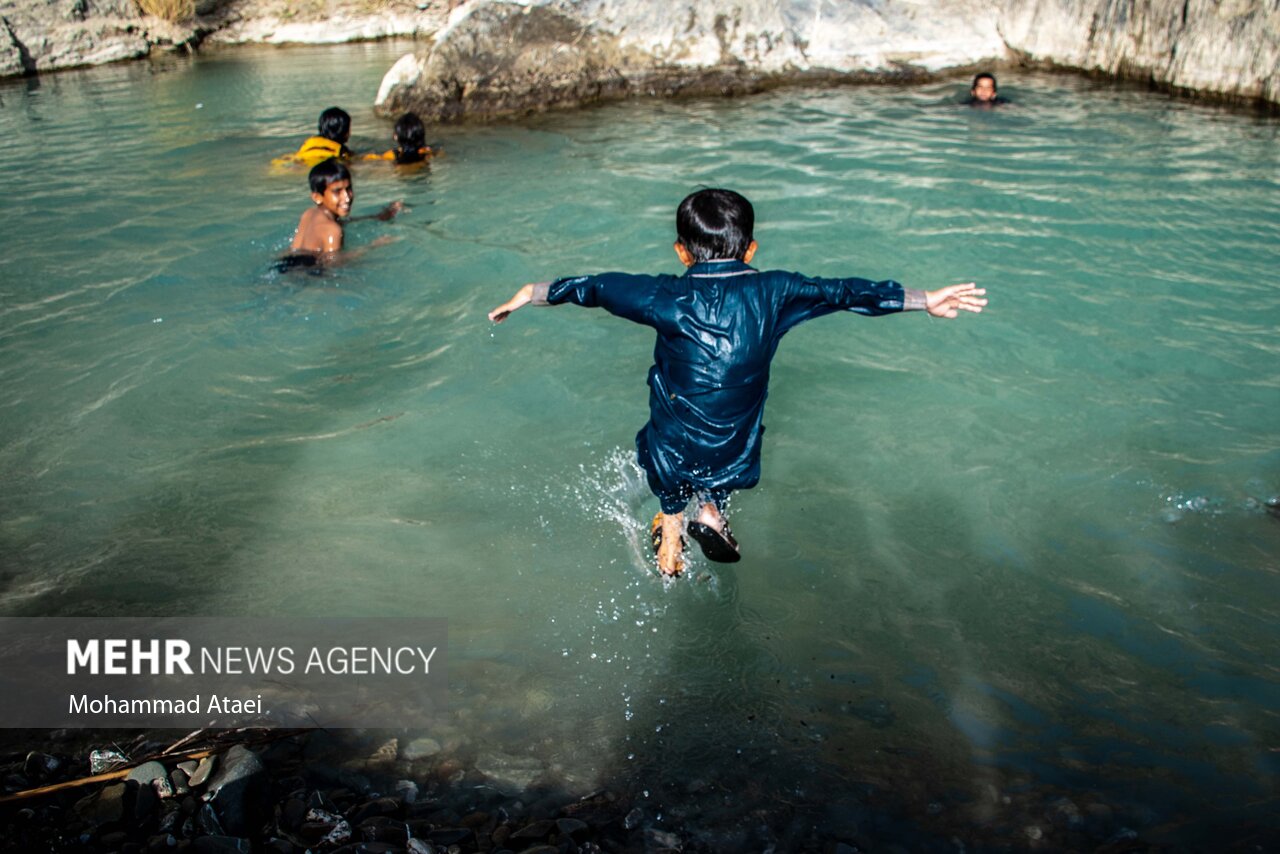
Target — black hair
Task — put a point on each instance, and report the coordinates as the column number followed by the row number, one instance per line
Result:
column 984, row 75
column 335, row 124
column 411, row 138
column 715, row 224
column 327, row 172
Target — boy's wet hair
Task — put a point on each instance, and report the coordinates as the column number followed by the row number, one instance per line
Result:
column 411, row 136
column 715, row 224
column 326, row 172
column 983, row 75
column 335, row 124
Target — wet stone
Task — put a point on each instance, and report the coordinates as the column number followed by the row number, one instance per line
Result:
column 39, row 765
column 407, row 791
column 113, row 840
column 161, row 842
column 440, row 816
column 541, row 849
column 16, row 783
column 179, row 782
column 509, row 773
column 207, row 822
column 146, row 772
column 449, row 835
column 233, row 789
column 203, row 770
column 103, row 806
column 655, row 838
column 420, row 748
column 221, row 845
column 373, row 809
column 417, row 846
column 292, row 813
column 536, row 830
column 571, row 826
column 145, row 802
column 633, row 819
column 318, row 801
column 170, row 820
column 384, row 829
column 188, row 767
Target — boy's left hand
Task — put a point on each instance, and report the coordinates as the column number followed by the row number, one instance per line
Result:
column 520, row 300
column 950, row 301
column 391, row 210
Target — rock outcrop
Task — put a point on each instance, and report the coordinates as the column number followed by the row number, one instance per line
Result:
column 48, row 35
column 499, row 57
column 1229, row 48
column 45, row 35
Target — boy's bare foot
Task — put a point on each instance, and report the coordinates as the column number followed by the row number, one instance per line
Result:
column 709, row 515
column 667, row 532
column 712, row 534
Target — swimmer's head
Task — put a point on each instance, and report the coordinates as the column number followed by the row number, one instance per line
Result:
column 715, row 224
column 984, row 87
column 331, row 187
column 327, row 172
column 335, row 124
column 411, row 138
column 410, row 132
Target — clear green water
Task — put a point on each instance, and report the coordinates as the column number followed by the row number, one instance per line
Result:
column 993, row 564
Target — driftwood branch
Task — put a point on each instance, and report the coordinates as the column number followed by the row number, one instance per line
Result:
column 224, row 741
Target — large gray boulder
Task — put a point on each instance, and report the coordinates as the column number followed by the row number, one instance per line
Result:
column 502, row 57
column 499, row 57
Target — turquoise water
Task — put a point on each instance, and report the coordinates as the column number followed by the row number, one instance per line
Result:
column 1006, row 578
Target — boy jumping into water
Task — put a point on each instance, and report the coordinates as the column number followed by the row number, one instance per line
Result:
column 718, row 327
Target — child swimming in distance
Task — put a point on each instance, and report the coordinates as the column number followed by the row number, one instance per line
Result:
column 410, row 139
column 318, row 238
column 983, row 94
column 332, row 132
column 718, row 327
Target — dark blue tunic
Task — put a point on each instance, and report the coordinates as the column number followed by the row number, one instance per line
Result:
column 718, row 327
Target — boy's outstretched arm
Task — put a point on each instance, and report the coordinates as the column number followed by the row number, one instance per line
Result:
column 522, row 297
column 387, row 213
column 950, row 301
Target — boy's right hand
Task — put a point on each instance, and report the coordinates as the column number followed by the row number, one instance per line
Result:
column 520, row 300
column 950, row 301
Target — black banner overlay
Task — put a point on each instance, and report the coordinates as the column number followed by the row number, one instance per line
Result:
column 221, row 672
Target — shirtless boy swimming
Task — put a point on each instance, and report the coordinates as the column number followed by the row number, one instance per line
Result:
column 319, row 236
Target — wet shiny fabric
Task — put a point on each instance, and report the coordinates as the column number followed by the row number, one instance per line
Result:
column 718, row 327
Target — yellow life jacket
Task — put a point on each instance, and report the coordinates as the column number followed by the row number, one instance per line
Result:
column 425, row 151
column 315, row 150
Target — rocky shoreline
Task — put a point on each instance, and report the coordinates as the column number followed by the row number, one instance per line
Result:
column 38, row 36
column 491, row 58
column 361, row 792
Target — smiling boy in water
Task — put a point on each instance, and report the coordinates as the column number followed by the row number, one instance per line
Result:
column 318, row 238
column 718, row 327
